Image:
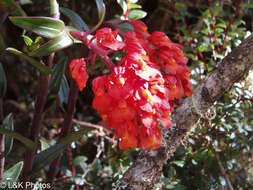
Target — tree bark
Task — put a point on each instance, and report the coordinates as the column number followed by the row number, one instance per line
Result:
column 146, row 170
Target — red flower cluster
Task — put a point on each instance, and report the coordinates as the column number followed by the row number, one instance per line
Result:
column 77, row 69
column 138, row 95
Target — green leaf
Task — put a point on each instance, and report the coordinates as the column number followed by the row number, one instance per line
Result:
column 45, row 157
column 24, row 2
column 136, row 14
column 56, row 78
column 79, row 160
column 12, row 4
column 63, row 93
column 8, row 140
column 101, row 12
column 125, row 27
column 74, row 136
column 27, row 142
column 12, row 174
column 44, row 26
column 133, row 6
column 75, row 19
column 57, row 44
column 44, row 145
column 180, row 5
column 123, row 5
column 42, row 68
column 3, row 82
column 28, row 41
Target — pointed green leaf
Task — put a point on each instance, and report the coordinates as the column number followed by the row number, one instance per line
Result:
column 123, row 5
column 63, row 93
column 56, row 78
column 47, row 156
column 75, row 19
column 44, row 145
column 101, row 12
column 42, row 68
column 28, row 41
column 12, row 174
column 44, row 26
column 12, row 4
column 3, row 82
column 57, row 44
column 74, row 136
column 27, row 142
column 136, row 14
column 8, row 140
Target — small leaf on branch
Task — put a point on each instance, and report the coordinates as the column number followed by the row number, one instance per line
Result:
column 101, row 13
column 136, row 14
column 42, row 68
column 27, row 142
column 63, row 93
column 12, row 174
column 44, row 26
column 56, row 78
column 45, row 157
column 8, row 140
column 57, row 44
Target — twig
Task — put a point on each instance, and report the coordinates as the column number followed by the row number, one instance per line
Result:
column 67, row 125
column 100, row 149
column 217, row 156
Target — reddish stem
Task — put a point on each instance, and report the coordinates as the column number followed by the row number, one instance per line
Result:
column 97, row 50
column 230, row 22
column 67, row 125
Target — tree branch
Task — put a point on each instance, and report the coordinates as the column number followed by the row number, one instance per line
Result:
column 146, row 170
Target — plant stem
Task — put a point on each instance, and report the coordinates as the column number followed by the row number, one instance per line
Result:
column 36, row 124
column 2, row 159
column 67, row 125
column 40, row 105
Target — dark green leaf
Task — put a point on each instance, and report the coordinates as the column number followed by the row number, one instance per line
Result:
column 136, row 14
column 44, row 26
column 75, row 19
column 3, row 82
column 126, row 27
column 56, row 78
column 12, row 174
column 12, row 4
column 63, row 93
column 101, row 12
column 45, row 157
column 74, row 136
column 101, row 8
column 27, row 142
column 57, row 44
column 42, row 68
column 8, row 140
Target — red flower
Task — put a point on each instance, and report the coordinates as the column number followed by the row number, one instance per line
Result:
column 77, row 69
column 107, row 39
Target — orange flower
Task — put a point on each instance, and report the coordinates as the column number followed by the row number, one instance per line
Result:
column 77, row 69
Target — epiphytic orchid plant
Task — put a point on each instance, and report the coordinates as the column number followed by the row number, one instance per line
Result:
column 134, row 99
